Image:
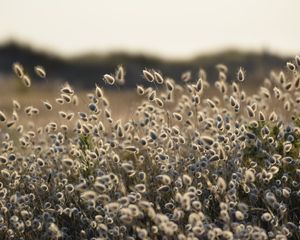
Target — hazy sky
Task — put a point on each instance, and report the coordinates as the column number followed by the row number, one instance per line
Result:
column 169, row 28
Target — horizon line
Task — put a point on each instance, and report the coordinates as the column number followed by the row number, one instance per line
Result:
column 100, row 53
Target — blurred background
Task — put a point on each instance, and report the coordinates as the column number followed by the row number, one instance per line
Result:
column 79, row 41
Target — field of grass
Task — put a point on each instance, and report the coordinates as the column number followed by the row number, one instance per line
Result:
column 123, row 102
column 179, row 160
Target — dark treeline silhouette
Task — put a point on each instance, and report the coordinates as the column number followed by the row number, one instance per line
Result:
column 84, row 71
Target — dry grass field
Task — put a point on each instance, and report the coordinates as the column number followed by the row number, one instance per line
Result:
column 172, row 161
column 123, row 102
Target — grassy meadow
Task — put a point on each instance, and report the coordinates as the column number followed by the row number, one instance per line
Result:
column 184, row 159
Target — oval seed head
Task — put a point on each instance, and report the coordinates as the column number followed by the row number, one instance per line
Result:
column 18, row 70
column 177, row 116
column 152, row 95
column 266, row 217
column 211, row 103
column 66, row 97
column 187, row 180
column 199, row 85
column 249, row 176
column 239, row 215
column 2, row 117
column 68, row 163
column 235, row 87
column 40, row 71
column 75, row 100
column 47, row 105
column 132, row 149
column 233, row 102
column 26, row 80
column 16, row 105
column 88, row 195
column 261, row 116
column 109, row 79
column 274, row 170
column 107, row 113
column 3, row 160
column 70, row 116
column 120, row 75
column 288, row 86
column 20, row 128
column 287, row 105
column 291, row 66
column 250, row 112
column 241, row 74
column 5, row 174
column 141, row 188
column 208, row 140
column 169, row 85
column 159, row 102
column 140, row 90
column 148, row 76
column 35, row 111
column 163, row 189
column 93, row 107
column 158, row 78
column 60, row 101
column 285, row 193
column 15, row 116
column 273, row 117
column 221, row 184
column 99, row 92
column 62, row 114
column 282, row 78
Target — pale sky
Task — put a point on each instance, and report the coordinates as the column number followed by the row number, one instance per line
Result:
column 167, row 28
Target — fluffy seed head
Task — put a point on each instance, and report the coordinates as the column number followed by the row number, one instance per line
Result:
column 177, row 116
column 26, row 80
column 291, row 66
column 266, row 217
column 47, row 105
column 241, row 74
column 120, row 75
column 88, row 195
column 140, row 90
column 40, row 71
column 67, row 162
column 148, row 75
column 169, row 85
column 221, row 184
column 18, row 70
column 140, row 188
column 109, row 79
column 158, row 78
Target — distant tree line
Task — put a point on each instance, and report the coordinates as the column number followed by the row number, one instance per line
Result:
column 84, row 71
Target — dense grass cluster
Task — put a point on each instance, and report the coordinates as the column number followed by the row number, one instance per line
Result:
column 186, row 165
